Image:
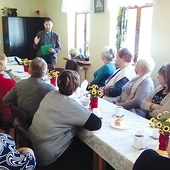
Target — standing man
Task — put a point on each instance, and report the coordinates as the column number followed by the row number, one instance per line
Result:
column 46, row 37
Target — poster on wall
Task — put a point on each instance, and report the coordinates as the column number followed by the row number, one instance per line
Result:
column 98, row 6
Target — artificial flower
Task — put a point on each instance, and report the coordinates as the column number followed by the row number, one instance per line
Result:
column 162, row 122
column 94, row 91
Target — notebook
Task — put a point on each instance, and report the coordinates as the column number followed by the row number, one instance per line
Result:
column 44, row 49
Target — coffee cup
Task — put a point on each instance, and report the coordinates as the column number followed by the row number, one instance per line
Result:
column 155, row 133
column 153, row 144
column 119, row 111
column 139, row 141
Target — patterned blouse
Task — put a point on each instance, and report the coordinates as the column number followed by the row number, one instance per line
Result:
column 11, row 159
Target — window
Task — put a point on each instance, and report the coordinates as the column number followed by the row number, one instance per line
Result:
column 82, row 32
column 139, row 30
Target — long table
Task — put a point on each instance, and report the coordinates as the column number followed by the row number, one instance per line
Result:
column 115, row 146
column 17, row 72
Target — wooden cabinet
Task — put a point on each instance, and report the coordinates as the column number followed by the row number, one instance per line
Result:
column 18, row 35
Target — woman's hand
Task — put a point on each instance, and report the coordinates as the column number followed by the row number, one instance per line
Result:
column 154, row 106
column 25, row 150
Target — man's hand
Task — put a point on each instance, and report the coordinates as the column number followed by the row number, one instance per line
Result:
column 36, row 40
column 51, row 50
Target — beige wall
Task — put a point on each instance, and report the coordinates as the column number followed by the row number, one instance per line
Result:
column 160, row 40
column 99, row 29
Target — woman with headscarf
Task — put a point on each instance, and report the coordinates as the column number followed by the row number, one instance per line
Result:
column 104, row 72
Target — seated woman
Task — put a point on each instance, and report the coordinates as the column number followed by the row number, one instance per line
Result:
column 138, row 88
column 150, row 159
column 5, row 85
column 106, row 70
column 113, row 85
column 159, row 101
column 55, row 126
column 12, row 158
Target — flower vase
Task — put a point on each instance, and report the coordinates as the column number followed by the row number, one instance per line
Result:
column 93, row 103
column 163, row 141
column 26, row 68
column 53, row 81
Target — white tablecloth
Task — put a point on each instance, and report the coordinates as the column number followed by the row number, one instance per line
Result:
column 116, row 145
column 17, row 72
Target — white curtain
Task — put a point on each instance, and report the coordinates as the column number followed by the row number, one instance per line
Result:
column 124, row 3
column 69, row 6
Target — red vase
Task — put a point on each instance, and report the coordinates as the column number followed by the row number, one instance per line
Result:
column 94, row 103
column 163, row 141
column 26, row 68
column 53, row 81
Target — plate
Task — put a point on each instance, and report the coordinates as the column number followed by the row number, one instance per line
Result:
column 123, row 127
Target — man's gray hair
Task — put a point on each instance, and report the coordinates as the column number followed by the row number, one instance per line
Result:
column 38, row 67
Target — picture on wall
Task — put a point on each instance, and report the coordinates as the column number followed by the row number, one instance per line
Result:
column 98, row 6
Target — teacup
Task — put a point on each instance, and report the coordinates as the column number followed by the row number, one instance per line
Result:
column 155, row 133
column 139, row 141
column 119, row 111
column 153, row 144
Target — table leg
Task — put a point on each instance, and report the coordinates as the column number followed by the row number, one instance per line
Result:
column 98, row 162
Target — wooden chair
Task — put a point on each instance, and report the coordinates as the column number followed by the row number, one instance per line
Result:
column 20, row 117
column 5, row 126
column 71, row 65
column 22, row 138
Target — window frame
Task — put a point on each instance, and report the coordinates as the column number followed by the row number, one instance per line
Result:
column 137, row 30
column 85, row 26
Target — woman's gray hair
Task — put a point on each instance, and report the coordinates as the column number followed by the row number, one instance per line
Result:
column 147, row 63
column 108, row 53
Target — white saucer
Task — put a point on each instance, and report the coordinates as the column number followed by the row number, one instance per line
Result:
column 123, row 127
column 145, row 147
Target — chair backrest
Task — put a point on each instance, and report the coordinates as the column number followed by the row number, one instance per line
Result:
column 60, row 69
column 21, row 118
column 22, row 138
column 71, row 65
column 5, row 126
column 50, row 67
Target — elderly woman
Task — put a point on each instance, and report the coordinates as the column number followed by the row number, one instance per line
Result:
column 159, row 101
column 138, row 88
column 113, row 85
column 5, row 85
column 106, row 70
column 55, row 126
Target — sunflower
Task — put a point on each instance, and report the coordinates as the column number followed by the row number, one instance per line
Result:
column 94, row 91
column 162, row 122
column 53, row 74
